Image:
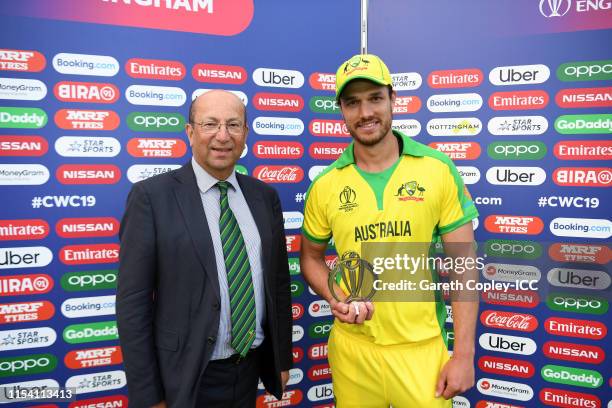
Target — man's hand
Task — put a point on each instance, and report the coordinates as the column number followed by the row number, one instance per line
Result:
column 456, row 376
column 354, row 312
column 161, row 404
column 284, row 379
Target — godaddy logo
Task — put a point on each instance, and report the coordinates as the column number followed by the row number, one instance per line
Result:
column 584, row 124
column 578, row 377
column 27, row 365
column 22, row 118
column 294, row 266
column 74, row 281
column 88, row 332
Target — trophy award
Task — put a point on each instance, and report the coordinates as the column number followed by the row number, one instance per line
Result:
column 355, row 276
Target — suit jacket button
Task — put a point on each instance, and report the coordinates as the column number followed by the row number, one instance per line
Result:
column 216, row 306
column 212, row 339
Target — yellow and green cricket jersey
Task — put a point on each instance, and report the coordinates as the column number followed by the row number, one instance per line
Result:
column 416, row 200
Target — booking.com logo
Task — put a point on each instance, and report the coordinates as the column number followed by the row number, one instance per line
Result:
column 581, row 227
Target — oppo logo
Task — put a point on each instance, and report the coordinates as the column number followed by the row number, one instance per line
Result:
column 582, row 353
column 454, row 127
column 87, row 146
column 568, row 399
column 583, row 150
column 581, row 227
column 18, row 285
column 25, row 257
column 89, row 254
column 155, row 69
column 86, row 92
column 297, row 333
column 241, row 95
column 469, row 174
column 27, row 365
column 281, row 78
column 33, row 146
column 278, row 150
column 317, row 351
column 516, row 176
column 531, row 150
column 88, row 306
column 156, row 147
column 26, row 312
column 458, row 150
column 457, row 78
column 407, row 104
column 584, row 97
column 409, row 127
column 139, row 172
column 263, row 125
column 585, row 329
column 90, row 280
column 23, row 174
column 467, row 102
column 319, row 372
column 406, row 81
column 21, row 60
column 517, row 125
column 514, row 224
column 293, row 219
column 297, row 288
column 78, row 119
column 320, row 392
column 155, row 122
column 512, row 298
column 21, row 339
column 155, row 95
column 279, row 174
column 278, row 102
column 577, row 304
column 88, row 174
column 507, row 344
column 585, row 71
column 583, row 176
column 508, row 248
column 579, row 278
column 319, row 308
column 320, row 329
column 509, row 320
column 504, row 389
column 332, row 128
column 583, row 253
column 18, row 89
column 322, row 81
column 113, row 401
column 326, row 151
column 518, row 100
column 85, row 64
column 506, row 366
column 314, row 171
column 23, row 229
column 219, row 74
column 96, row 382
column 519, row 75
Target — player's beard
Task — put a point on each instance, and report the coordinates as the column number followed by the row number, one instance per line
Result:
column 371, row 139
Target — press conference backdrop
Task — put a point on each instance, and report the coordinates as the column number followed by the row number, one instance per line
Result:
column 94, row 98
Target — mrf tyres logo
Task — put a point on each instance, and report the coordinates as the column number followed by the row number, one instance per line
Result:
column 21, row 60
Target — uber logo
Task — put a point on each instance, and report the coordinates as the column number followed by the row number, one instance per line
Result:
column 281, row 78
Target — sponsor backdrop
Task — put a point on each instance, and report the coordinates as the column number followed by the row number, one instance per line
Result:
column 93, row 97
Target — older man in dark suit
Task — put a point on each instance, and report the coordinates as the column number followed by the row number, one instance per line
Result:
column 201, row 301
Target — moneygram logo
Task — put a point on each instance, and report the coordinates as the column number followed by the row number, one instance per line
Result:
column 297, row 311
column 88, row 174
column 320, row 329
column 25, row 312
column 96, row 382
column 409, row 127
column 77, row 119
column 219, row 74
column 314, row 171
column 281, row 78
column 331, row 128
column 326, row 151
column 85, row 64
column 406, row 81
column 87, row 227
column 574, row 352
column 20, row 339
column 469, row 174
column 23, row 174
column 89, row 254
column 90, row 332
column 583, row 176
column 454, row 127
column 18, row 285
column 322, row 81
column 504, row 389
column 509, row 320
column 27, row 365
column 90, row 280
column 22, row 118
column 585, row 71
column 319, row 308
column 458, row 150
column 519, row 75
column 581, row 227
column 516, row 176
column 518, row 100
column 155, row 95
column 568, row 399
column 584, row 97
column 93, row 357
column 457, row 78
column 278, row 150
column 584, row 150
column 19, row 146
column 278, row 126
column 25, row 257
column 528, row 150
column 156, row 148
column 585, row 329
column 87, row 146
column 278, row 102
column 577, row 304
column 584, row 124
column 86, row 92
column 155, row 122
column 18, row 89
column 19, row 230
column 323, row 104
column 279, row 174
column 407, row 104
column 467, row 102
column 88, row 306
column 506, row 366
column 139, row 172
column 155, row 69
column 293, row 219
column 517, row 125
column 579, row 278
column 511, row 273
column 21, row 60
column 297, row 333
column 583, row 253
column 512, row 298
column 578, row 377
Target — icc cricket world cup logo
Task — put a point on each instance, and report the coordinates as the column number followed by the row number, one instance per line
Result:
column 555, row 8
column 355, row 276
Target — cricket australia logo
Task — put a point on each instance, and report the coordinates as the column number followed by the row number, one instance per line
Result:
column 347, row 199
column 410, row 191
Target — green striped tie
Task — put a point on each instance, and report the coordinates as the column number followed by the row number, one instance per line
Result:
column 241, row 294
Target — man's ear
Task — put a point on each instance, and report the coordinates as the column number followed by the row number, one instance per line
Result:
column 189, row 131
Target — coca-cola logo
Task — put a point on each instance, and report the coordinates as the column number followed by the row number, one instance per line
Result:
column 279, row 174
column 509, row 320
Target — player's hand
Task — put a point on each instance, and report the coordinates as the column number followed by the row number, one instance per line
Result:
column 161, row 404
column 353, row 312
column 456, row 376
column 284, row 379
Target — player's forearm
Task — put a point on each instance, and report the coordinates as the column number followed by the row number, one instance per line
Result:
column 316, row 272
column 465, row 314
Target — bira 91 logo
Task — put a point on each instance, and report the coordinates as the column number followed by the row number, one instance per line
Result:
column 93, row 357
column 78, row 119
column 506, row 366
column 326, row 151
column 509, row 320
column 21, row 60
column 518, row 100
column 26, row 312
column 568, row 399
column 317, row 351
column 219, row 74
column 458, row 150
column 584, row 98
column 584, row 329
column 89, row 254
column 87, row 227
column 33, row 146
column 23, row 229
column 278, row 150
column 583, row 176
column 113, row 401
column 88, row 174
column 457, row 78
column 582, row 353
column 17, row 285
column 322, row 81
column 155, row 69
column 514, row 224
column 289, row 398
column 512, row 297
column 279, row 174
column 583, row 253
column 332, row 128
column 584, row 150
column 91, row 92
column 297, row 311
column 278, row 102
column 156, row 148
column 407, row 104
column 319, row 372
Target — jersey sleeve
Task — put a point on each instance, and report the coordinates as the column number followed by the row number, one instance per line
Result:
column 457, row 206
column 316, row 226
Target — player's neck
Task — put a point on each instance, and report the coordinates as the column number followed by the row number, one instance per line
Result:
column 379, row 157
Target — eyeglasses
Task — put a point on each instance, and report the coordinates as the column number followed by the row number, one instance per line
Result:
column 211, row 128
